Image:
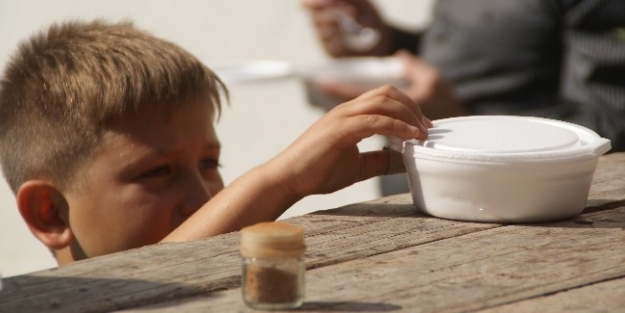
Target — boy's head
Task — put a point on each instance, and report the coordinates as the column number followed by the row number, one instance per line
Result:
column 105, row 129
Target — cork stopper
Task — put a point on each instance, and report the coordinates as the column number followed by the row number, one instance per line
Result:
column 272, row 240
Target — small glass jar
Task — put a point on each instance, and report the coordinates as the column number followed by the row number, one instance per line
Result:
column 273, row 266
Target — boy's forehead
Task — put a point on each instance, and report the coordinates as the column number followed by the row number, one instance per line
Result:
column 190, row 118
column 164, row 113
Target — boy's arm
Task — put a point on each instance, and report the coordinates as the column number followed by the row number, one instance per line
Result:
column 322, row 160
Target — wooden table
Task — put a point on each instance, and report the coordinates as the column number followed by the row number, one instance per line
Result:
column 377, row 256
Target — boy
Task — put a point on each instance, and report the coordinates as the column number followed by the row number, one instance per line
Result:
column 107, row 141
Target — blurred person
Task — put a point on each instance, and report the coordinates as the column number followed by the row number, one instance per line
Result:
column 560, row 59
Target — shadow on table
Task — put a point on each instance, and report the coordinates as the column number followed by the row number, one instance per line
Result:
column 599, row 213
column 38, row 293
column 598, row 205
column 349, row 306
column 378, row 209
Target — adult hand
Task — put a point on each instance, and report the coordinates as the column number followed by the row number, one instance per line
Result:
column 333, row 19
column 326, row 157
column 429, row 88
column 425, row 86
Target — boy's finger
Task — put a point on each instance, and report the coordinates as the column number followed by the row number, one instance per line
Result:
column 364, row 126
column 380, row 162
column 428, row 122
column 390, row 107
column 395, row 94
column 372, row 164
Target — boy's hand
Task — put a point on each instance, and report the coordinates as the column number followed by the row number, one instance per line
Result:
column 326, row 157
column 323, row 159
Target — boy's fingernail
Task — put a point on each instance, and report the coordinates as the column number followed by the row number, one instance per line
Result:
column 423, row 133
column 427, row 122
column 414, row 130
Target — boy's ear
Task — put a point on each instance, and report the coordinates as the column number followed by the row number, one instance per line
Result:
column 45, row 211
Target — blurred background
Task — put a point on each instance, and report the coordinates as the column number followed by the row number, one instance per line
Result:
column 263, row 116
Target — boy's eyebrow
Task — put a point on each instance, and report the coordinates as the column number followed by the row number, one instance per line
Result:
column 165, row 150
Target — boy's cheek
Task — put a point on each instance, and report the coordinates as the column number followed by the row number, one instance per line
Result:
column 216, row 187
column 118, row 231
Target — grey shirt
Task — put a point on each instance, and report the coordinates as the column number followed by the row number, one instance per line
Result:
column 562, row 59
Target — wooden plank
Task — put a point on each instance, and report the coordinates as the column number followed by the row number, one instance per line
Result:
column 608, row 186
column 608, row 296
column 137, row 276
column 168, row 271
column 173, row 271
column 157, row 273
column 380, row 235
column 486, row 269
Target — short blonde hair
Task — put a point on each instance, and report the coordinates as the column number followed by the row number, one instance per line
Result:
column 65, row 84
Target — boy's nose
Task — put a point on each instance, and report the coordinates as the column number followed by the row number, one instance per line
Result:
column 197, row 194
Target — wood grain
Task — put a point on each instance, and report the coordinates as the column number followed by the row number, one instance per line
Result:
column 476, row 271
column 374, row 256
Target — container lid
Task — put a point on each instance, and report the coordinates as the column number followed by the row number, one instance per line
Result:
column 506, row 139
column 272, row 240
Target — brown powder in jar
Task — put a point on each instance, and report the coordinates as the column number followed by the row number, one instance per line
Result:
column 270, row 285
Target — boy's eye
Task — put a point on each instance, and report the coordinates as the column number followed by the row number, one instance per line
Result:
column 209, row 163
column 157, row 172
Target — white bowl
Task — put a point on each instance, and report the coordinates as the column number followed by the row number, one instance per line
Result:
column 243, row 72
column 367, row 72
column 502, row 168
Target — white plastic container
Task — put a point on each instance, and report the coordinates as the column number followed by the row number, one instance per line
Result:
column 502, row 168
